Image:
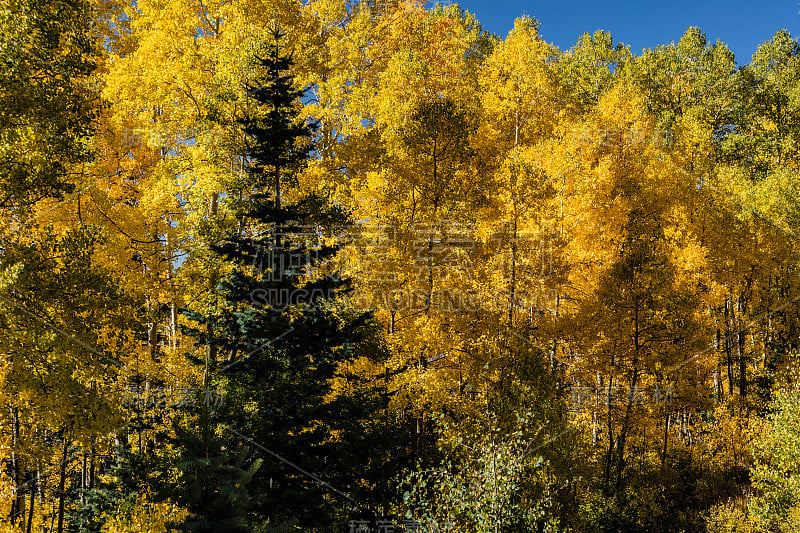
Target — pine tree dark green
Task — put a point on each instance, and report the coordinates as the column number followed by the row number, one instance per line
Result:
column 284, row 330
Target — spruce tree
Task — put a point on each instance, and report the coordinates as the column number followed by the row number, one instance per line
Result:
column 282, row 330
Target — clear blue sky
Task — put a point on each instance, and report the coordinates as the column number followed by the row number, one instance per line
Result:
column 741, row 24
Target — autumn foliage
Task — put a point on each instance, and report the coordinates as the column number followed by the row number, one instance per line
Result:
column 313, row 266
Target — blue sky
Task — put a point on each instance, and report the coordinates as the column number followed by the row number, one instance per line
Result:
column 742, row 25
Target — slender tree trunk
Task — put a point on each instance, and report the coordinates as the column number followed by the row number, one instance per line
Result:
column 740, row 351
column 173, row 310
column 742, row 365
column 513, row 288
column 610, row 452
column 39, row 490
column 18, row 504
column 52, row 516
column 152, row 340
column 429, row 295
column 62, row 478
column 173, row 315
column 718, row 388
column 30, row 507
column 623, row 434
column 277, row 186
column 666, row 434
column 83, row 475
column 728, row 347
column 91, row 468
column 211, row 349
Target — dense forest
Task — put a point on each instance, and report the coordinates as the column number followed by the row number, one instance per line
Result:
column 362, row 266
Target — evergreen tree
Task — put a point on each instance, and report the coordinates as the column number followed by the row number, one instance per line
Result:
column 214, row 482
column 281, row 330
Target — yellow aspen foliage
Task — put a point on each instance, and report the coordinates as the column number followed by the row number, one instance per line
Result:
column 145, row 516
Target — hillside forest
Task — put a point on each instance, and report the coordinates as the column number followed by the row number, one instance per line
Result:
column 362, row 266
